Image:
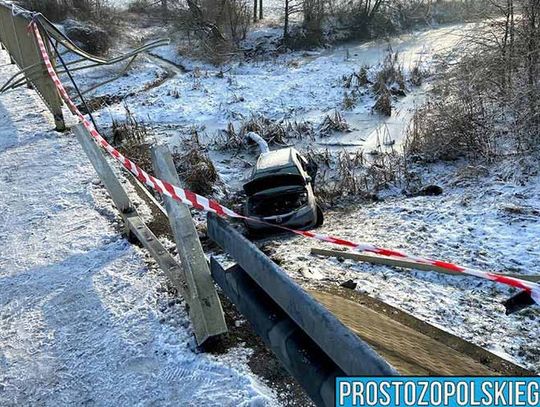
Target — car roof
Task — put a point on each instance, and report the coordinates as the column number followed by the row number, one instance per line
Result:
column 276, row 159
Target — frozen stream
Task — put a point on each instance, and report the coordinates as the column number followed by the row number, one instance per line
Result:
column 423, row 48
column 295, row 86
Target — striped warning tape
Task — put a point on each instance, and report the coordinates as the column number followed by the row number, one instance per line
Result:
column 201, row 203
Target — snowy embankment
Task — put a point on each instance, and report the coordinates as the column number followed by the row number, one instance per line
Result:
column 83, row 318
column 488, row 219
column 296, row 86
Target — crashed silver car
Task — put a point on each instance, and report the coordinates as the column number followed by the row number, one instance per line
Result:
column 280, row 192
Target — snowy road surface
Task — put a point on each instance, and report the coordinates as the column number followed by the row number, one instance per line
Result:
column 83, row 319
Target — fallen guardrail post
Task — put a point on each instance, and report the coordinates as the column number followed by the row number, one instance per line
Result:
column 104, row 170
column 406, row 264
column 346, row 350
column 136, row 226
column 208, row 311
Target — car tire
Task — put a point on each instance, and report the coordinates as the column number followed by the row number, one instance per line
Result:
column 320, row 217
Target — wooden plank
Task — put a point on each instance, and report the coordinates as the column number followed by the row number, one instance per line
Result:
column 209, row 320
column 387, row 261
column 104, row 170
column 163, row 258
column 411, row 352
column 136, row 225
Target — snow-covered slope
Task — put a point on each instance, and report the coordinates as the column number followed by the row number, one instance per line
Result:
column 83, row 319
column 490, row 222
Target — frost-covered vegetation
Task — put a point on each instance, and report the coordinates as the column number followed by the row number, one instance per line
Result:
column 340, row 81
column 488, row 103
column 57, row 10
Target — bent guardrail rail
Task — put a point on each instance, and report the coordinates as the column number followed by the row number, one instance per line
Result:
column 24, row 52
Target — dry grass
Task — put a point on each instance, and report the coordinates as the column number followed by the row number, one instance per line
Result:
column 333, row 123
column 196, row 169
column 352, row 175
column 383, row 104
column 350, row 99
column 274, row 132
column 448, row 130
column 357, row 79
column 99, row 12
column 128, row 131
column 386, row 82
column 132, row 138
column 417, row 74
column 390, row 76
column 278, row 133
column 90, row 36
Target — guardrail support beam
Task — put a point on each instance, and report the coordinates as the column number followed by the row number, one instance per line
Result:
column 302, row 358
column 208, row 318
column 136, row 226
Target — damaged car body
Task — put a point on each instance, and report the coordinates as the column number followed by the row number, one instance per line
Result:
column 280, row 192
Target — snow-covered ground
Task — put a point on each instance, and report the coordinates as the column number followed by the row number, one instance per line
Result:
column 80, row 309
column 487, row 218
column 84, row 319
column 297, row 86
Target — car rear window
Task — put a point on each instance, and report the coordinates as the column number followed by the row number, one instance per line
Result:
column 273, row 181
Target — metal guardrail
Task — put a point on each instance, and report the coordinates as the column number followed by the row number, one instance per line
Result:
column 311, row 342
column 24, row 51
column 302, row 357
column 260, row 281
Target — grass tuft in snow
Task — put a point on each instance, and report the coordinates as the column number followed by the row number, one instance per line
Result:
column 132, row 138
column 196, row 169
column 276, row 133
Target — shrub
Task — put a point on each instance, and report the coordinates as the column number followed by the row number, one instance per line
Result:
column 274, row 132
column 54, row 10
column 488, row 103
column 89, row 36
column 58, row 10
column 383, row 104
column 196, row 169
column 131, row 138
column 333, row 123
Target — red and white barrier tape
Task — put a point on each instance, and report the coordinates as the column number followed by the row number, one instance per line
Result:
column 201, row 203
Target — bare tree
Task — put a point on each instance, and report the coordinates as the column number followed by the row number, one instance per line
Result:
column 291, row 7
column 257, row 10
column 314, row 13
